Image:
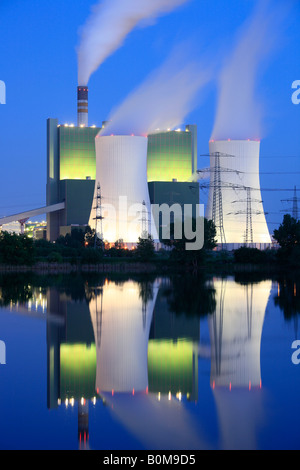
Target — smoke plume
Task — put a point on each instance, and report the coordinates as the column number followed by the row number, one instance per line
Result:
column 239, row 111
column 162, row 102
column 109, row 24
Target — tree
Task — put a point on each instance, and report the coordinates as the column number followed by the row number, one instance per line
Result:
column 195, row 257
column 145, row 248
column 16, row 249
column 288, row 233
column 75, row 239
column 89, row 237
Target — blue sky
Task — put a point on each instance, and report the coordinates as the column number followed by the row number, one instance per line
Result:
column 38, row 63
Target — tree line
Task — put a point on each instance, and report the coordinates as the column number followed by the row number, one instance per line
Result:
column 84, row 247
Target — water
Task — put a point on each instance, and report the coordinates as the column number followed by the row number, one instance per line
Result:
column 148, row 363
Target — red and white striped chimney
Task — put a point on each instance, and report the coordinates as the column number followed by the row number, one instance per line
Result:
column 82, row 106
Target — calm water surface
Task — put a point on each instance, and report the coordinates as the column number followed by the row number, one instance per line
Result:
column 140, row 362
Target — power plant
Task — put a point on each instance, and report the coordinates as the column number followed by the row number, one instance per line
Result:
column 109, row 182
column 115, row 179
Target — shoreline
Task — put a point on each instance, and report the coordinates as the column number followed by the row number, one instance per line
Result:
column 137, row 267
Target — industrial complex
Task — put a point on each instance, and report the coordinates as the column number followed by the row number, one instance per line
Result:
column 156, row 169
column 111, row 182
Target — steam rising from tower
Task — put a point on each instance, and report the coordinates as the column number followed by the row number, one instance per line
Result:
column 82, row 106
column 109, row 24
column 239, row 112
column 151, row 106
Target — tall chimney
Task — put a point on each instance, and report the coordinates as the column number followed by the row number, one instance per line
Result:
column 83, row 106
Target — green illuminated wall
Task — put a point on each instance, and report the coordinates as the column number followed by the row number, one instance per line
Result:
column 170, row 156
column 77, row 371
column 77, row 152
column 172, row 367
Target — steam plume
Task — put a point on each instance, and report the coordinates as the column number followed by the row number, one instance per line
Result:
column 239, row 112
column 162, row 101
column 109, row 24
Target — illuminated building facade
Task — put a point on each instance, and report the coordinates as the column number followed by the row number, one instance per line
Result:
column 172, row 155
column 71, row 172
column 36, row 230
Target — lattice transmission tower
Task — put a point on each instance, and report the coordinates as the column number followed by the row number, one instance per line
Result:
column 99, row 217
column 294, row 210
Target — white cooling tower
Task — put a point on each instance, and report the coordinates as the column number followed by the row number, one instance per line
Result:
column 121, row 171
column 121, row 323
column 235, row 194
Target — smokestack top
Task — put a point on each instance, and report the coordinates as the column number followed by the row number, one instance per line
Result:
column 82, row 93
column 82, row 105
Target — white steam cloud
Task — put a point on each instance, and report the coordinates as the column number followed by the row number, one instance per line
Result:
column 109, row 24
column 239, row 111
column 162, row 102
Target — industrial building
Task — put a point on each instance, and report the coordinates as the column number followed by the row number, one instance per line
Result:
column 71, row 174
column 172, row 155
column 80, row 159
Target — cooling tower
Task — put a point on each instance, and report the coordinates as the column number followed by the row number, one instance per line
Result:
column 82, row 106
column 121, row 322
column 121, row 172
column 234, row 201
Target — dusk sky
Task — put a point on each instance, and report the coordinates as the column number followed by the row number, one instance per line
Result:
column 38, row 41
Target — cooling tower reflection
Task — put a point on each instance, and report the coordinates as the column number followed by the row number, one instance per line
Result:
column 235, row 334
column 154, row 370
column 121, row 318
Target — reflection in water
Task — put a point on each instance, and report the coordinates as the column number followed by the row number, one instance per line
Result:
column 235, row 333
column 288, row 299
column 134, row 346
column 136, row 378
column 106, row 351
column 121, row 321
